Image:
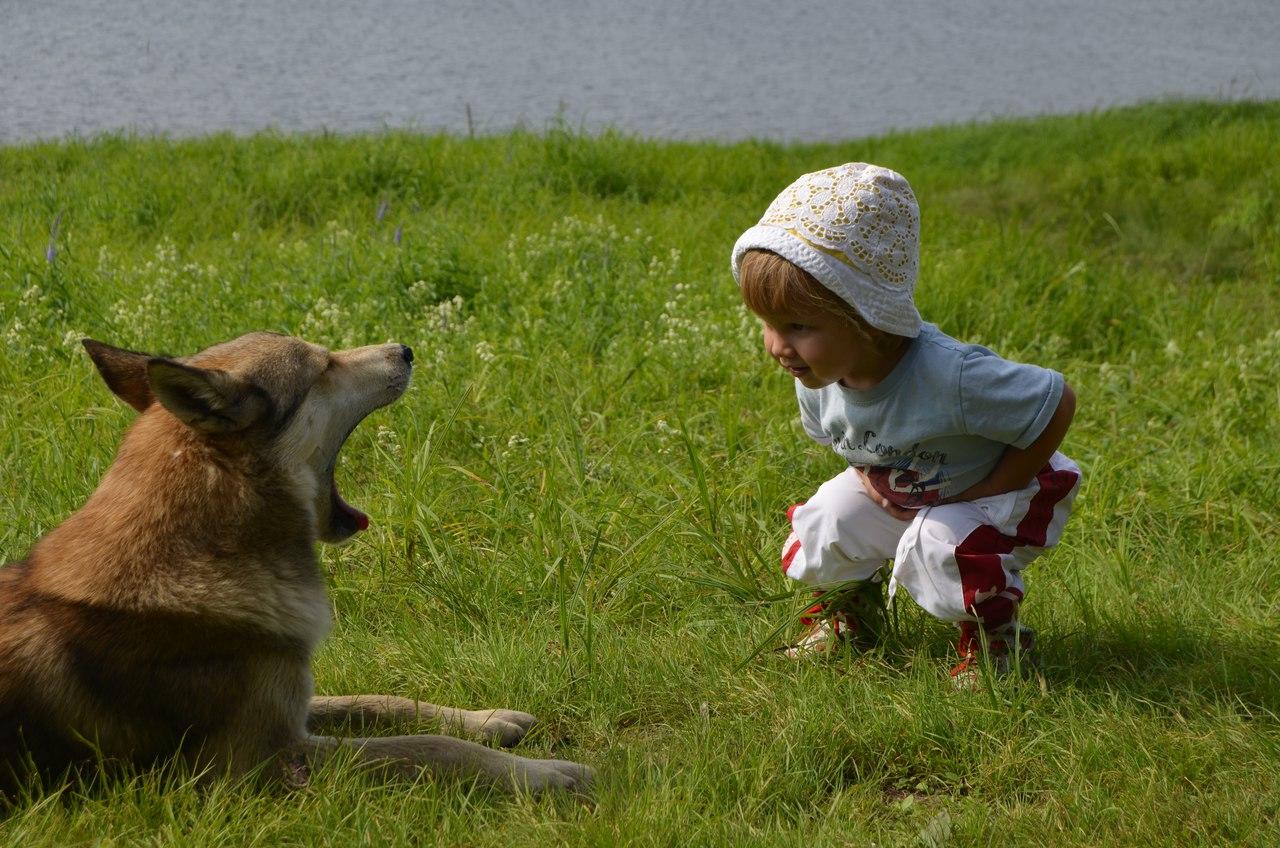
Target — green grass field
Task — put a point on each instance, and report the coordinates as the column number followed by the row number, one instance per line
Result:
column 577, row 507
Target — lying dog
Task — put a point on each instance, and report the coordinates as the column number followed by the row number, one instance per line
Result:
column 176, row 612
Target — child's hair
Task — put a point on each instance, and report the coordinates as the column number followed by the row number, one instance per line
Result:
column 771, row 284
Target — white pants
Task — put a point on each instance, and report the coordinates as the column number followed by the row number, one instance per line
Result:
column 959, row 561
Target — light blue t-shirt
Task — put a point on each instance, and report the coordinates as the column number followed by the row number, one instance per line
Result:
column 938, row 423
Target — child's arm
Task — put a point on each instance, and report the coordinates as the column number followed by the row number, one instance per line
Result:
column 1019, row 466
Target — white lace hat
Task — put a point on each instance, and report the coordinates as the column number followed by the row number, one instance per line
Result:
column 856, row 229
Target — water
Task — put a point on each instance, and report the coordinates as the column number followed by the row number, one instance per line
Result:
column 718, row 69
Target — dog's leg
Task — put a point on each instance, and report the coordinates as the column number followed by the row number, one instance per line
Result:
column 506, row 727
column 443, row 755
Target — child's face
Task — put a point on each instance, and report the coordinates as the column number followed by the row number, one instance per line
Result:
column 817, row 348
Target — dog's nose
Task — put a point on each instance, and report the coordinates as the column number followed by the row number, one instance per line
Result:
column 406, row 353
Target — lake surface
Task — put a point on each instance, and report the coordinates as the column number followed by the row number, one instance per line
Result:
column 715, row 69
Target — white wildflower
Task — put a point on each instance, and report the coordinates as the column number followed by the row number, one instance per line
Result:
column 388, row 440
column 446, row 317
column 326, row 320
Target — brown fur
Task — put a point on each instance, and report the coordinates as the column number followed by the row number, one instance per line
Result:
column 176, row 612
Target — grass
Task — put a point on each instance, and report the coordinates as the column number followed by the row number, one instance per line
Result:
column 577, row 508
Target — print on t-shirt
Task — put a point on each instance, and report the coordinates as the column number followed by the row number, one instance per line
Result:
column 908, row 477
column 906, row 487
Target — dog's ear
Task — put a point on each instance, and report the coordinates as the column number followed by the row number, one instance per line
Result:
column 124, row 371
column 205, row 399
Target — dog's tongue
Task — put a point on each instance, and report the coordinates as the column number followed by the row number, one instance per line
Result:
column 359, row 518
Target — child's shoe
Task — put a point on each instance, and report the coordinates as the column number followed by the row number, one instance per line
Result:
column 1010, row 647
column 854, row 617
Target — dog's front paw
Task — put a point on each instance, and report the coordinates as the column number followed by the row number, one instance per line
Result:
column 537, row 776
column 506, row 727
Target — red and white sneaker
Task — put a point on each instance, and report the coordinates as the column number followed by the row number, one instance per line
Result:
column 1009, row 647
column 823, row 632
column 853, row 618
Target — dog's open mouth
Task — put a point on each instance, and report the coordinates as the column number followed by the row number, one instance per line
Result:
column 347, row 520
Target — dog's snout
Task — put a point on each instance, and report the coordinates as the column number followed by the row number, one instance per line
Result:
column 406, row 353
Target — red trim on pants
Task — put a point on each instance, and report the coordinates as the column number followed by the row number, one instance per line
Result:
column 1054, row 486
column 791, row 552
column 790, row 555
column 979, row 556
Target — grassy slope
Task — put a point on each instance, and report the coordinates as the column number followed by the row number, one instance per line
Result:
column 578, row 506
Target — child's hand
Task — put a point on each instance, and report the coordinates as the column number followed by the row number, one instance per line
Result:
column 884, row 503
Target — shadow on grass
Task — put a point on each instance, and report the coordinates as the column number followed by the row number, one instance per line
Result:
column 1170, row 666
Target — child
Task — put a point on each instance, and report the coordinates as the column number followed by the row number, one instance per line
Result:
column 953, row 469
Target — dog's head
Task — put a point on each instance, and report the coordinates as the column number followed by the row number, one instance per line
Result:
column 294, row 403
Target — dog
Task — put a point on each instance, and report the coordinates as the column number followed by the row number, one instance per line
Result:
column 174, row 615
